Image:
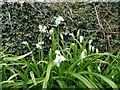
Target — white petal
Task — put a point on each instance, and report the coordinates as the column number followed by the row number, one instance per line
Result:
column 92, row 48
column 61, row 36
column 40, row 27
column 97, row 50
column 38, row 46
column 81, row 39
column 62, row 58
column 57, row 62
column 51, row 31
column 90, row 41
column 24, row 42
column 57, row 52
column 82, row 55
column 41, row 42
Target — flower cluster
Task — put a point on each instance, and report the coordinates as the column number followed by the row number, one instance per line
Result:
column 42, row 28
column 58, row 20
column 83, row 54
column 59, row 58
column 92, row 48
column 39, row 45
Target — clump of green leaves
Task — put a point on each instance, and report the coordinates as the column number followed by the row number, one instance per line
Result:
column 74, row 65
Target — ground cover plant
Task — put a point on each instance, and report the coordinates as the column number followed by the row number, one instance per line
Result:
column 60, row 59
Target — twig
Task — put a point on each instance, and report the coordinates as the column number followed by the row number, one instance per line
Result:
column 99, row 22
column 10, row 21
column 36, row 8
column 108, row 10
column 98, row 17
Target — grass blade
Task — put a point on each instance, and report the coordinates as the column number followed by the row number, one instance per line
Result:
column 47, row 75
column 111, row 83
column 81, row 78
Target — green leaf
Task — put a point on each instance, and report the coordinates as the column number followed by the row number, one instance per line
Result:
column 16, row 57
column 11, row 77
column 33, row 77
column 47, row 75
column 82, row 79
column 111, row 83
column 62, row 84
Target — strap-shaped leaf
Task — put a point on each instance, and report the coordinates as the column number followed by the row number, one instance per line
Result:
column 16, row 57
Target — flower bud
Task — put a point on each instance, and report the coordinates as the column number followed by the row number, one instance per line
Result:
column 97, row 50
column 81, row 39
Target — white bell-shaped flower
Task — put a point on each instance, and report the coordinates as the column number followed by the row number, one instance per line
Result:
column 51, row 31
column 42, row 28
column 90, row 41
column 39, row 45
column 81, row 39
column 93, row 48
column 57, row 52
column 97, row 50
column 25, row 42
column 82, row 54
column 58, row 20
column 59, row 59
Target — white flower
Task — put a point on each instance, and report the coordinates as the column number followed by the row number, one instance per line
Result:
column 41, row 42
column 97, row 50
column 38, row 46
column 59, row 59
column 57, row 52
column 93, row 48
column 90, row 41
column 82, row 54
column 78, row 32
column 50, row 38
column 71, row 34
column 81, row 39
column 51, row 31
column 58, row 20
column 24, row 42
column 42, row 28
column 73, row 44
column 90, row 46
column 85, row 52
column 61, row 36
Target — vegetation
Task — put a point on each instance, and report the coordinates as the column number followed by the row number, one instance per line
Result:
column 58, row 53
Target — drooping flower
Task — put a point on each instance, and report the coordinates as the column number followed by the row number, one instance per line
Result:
column 39, row 45
column 81, row 39
column 90, row 46
column 25, row 42
column 42, row 28
column 90, row 41
column 51, row 31
column 61, row 36
column 41, row 42
column 58, row 20
column 97, row 50
column 59, row 58
column 71, row 34
column 93, row 49
column 57, row 52
column 78, row 32
column 82, row 54
column 72, row 44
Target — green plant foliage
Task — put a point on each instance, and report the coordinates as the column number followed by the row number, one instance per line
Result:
column 57, row 46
